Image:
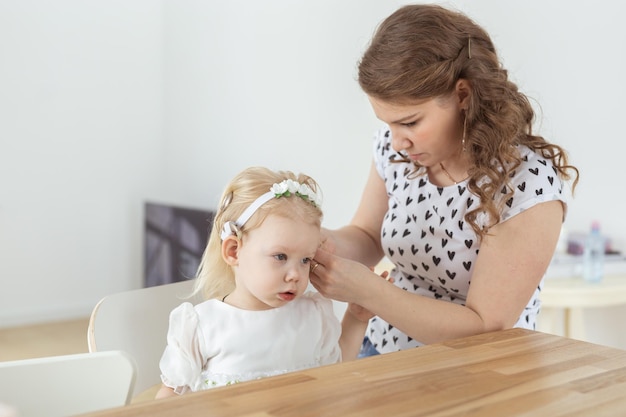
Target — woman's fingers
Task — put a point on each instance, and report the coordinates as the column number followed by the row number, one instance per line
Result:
column 323, row 256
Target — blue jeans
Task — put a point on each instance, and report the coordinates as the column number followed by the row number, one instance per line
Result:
column 367, row 349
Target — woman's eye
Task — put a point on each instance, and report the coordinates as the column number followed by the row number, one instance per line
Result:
column 280, row 257
column 409, row 124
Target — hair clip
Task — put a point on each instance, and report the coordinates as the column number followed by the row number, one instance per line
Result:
column 227, row 199
column 230, row 228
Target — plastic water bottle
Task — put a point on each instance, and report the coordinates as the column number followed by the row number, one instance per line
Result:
column 593, row 255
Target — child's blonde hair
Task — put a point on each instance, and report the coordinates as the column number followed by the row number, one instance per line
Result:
column 215, row 278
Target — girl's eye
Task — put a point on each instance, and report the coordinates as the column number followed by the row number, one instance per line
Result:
column 280, row 257
column 306, row 261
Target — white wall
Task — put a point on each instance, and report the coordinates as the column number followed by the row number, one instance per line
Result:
column 104, row 104
column 81, row 144
column 268, row 83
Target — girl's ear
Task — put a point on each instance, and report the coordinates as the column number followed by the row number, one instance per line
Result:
column 230, row 250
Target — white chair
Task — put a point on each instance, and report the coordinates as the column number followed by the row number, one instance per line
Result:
column 136, row 322
column 59, row 386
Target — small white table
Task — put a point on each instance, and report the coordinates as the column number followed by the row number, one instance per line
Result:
column 573, row 295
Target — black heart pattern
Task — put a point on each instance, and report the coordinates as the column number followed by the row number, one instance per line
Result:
column 426, row 235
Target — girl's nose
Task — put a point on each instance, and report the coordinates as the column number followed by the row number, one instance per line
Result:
column 297, row 272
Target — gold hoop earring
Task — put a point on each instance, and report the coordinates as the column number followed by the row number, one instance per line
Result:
column 464, row 132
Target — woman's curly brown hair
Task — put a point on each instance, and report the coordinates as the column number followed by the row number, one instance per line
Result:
column 420, row 52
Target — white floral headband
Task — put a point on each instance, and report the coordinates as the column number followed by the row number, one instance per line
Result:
column 284, row 188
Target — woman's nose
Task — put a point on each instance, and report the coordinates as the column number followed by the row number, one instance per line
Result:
column 399, row 142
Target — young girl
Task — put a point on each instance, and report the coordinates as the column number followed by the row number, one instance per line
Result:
column 257, row 319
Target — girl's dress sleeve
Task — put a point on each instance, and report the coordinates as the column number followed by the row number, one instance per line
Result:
column 182, row 362
column 330, row 351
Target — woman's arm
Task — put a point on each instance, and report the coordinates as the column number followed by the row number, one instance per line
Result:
column 360, row 240
column 353, row 327
column 512, row 261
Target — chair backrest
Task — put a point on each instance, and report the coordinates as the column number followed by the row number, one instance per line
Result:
column 136, row 322
column 60, row 386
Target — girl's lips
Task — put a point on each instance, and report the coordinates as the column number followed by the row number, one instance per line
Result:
column 287, row 296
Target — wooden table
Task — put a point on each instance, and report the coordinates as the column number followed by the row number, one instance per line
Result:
column 508, row 373
column 573, row 295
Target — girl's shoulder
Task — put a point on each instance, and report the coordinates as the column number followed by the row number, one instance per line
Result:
column 188, row 312
column 315, row 298
column 324, row 306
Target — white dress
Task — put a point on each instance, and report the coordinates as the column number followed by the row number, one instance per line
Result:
column 214, row 344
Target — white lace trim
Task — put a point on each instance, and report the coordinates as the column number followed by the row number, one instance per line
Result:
column 212, row 379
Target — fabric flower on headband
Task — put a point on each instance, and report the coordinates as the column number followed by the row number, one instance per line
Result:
column 288, row 187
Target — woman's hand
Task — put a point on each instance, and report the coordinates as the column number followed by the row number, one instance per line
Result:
column 341, row 279
column 328, row 241
column 338, row 278
column 359, row 313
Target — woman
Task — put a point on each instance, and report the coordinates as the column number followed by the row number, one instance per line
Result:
column 460, row 190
